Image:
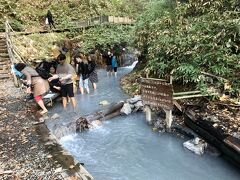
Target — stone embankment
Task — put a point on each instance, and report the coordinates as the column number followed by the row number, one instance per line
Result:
column 28, row 151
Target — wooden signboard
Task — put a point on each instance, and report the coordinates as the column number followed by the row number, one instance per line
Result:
column 157, row 93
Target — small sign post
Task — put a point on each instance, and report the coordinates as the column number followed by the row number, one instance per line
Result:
column 158, row 93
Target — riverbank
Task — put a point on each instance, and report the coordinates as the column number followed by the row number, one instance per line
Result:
column 23, row 155
column 222, row 115
column 125, row 147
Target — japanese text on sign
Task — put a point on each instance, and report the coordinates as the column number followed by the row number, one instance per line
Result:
column 157, row 92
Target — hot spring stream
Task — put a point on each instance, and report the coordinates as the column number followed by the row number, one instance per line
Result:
column 125, row 147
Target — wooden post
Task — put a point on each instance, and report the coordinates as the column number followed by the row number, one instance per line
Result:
column 169, row 112
column 15, row 80
column 168, row 118
column 171, row 77
column 148, row 114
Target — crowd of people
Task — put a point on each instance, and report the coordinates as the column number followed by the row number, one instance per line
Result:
column 63, row 77
column 69, row 69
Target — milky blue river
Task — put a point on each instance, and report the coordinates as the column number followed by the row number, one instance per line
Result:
column 125, row 148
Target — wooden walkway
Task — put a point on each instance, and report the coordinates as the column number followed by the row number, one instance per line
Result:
column 85, row 24
column 105, row 20
column 9, row 53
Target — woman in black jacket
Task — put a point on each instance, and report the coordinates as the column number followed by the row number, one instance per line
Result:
column 83, row 72
column 93, row 77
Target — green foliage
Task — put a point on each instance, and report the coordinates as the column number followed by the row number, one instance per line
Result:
column 190, row 38
column 7, row 9
column 37, row 46
column 106, row 37
column 31, row 13
column 16, row 25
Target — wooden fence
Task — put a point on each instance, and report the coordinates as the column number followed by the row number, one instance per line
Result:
column 13, row 52
column 104, row 20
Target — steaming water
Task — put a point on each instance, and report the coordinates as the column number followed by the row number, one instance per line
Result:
column 125, row 148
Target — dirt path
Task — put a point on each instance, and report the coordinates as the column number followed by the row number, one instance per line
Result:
column 22, row 155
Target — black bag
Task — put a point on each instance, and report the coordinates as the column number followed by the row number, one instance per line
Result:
column 45, row 65
column 43, row 73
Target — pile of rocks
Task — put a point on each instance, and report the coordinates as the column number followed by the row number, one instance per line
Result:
column 132, row 105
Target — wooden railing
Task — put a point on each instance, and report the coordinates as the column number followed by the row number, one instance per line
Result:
column 104, row 20
column 82, row 24
column 13, row 52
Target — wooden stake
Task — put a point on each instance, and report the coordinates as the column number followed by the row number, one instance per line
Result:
column 168, row 118
column 148, row 114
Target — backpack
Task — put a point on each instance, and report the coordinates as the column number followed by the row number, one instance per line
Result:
column 45, row 65
column 43, row 73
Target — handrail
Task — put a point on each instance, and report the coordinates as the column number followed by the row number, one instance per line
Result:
column 14, row 56
column 82, row 24
column 104, row 19
column 13, row 52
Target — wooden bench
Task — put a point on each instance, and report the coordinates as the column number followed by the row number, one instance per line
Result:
column 48, row 98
